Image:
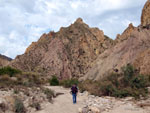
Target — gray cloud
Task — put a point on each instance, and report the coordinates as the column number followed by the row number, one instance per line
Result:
column 23, row 21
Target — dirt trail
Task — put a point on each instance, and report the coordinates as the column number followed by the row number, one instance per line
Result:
column 63, row 103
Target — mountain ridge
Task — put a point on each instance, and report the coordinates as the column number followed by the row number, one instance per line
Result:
column 81, row 51
column 4, row 60
column 67, row 53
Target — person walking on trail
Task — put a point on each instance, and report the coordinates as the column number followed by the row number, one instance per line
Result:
column 74, row 91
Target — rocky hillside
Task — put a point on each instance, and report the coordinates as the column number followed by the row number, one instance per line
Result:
column 133, row 46
column 67, row 53
column 4, row 60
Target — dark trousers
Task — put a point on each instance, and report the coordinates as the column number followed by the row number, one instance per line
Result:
column 74, row 97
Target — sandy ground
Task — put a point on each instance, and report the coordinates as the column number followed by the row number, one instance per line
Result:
column 63, row 104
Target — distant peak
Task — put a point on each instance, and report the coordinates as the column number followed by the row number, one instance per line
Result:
column 131, row 25
column 79, row 20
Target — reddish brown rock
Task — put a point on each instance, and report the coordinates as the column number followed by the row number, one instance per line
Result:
column 145, row 18
column 67, row 53
column 142, row 62
column 133, row 46
column 126, row 34
column 121, row 54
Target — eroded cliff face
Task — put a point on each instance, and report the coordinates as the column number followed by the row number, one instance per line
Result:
column 67, row 53
column 4, row 60
column 145, row 18
column 127, row 51
column 132, row 46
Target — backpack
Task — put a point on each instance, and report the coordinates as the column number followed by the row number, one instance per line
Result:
column 74, row 89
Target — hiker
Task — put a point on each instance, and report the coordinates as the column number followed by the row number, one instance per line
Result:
column 74, row 91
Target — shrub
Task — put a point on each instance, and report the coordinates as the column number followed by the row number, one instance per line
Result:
column 9, row 70
column 30, row 79
column 128, row 72
column 54, row 81
column 36, row 105
column 126, row 83
column 5, row 78
column 19, row 106
column 90, row 86
column 138, row 82
column 130, row 84
column 107, row 88
column 68, row 83
column 6, row 81
column 49, row 94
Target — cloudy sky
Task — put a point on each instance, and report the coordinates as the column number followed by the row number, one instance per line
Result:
column 23, row 21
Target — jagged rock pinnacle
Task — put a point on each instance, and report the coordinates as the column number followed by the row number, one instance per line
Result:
column 145, row 18
column 79, row 20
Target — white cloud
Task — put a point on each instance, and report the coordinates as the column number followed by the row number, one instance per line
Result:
column 23, row 21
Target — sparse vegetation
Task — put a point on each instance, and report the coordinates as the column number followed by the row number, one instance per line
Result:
column 127, row 83
column 26, row 79
column 9, row 71
column 31, row 79
column 16, row 91
column 6, row 81
column 49, row 94
column 36, row 105
column 19, row 106
column 54, row 81
column 68, row 83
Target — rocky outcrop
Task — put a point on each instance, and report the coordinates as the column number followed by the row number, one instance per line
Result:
column 126, row 34
column 67, row 53
column 4, row 60
column 142, row 62
column 145, row 18
column 121, row 54
column 131, row 47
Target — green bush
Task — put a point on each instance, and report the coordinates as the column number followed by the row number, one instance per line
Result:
column 54, row 81
column 107, row 88
column 68, row 83
column 124, row 84
column 19, row 106
column 9, row 70
column 129, row 84
column 128, row 73
column 138, row 82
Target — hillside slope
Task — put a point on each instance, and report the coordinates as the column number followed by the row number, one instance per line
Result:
column 133, row 46
column 67, row 53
